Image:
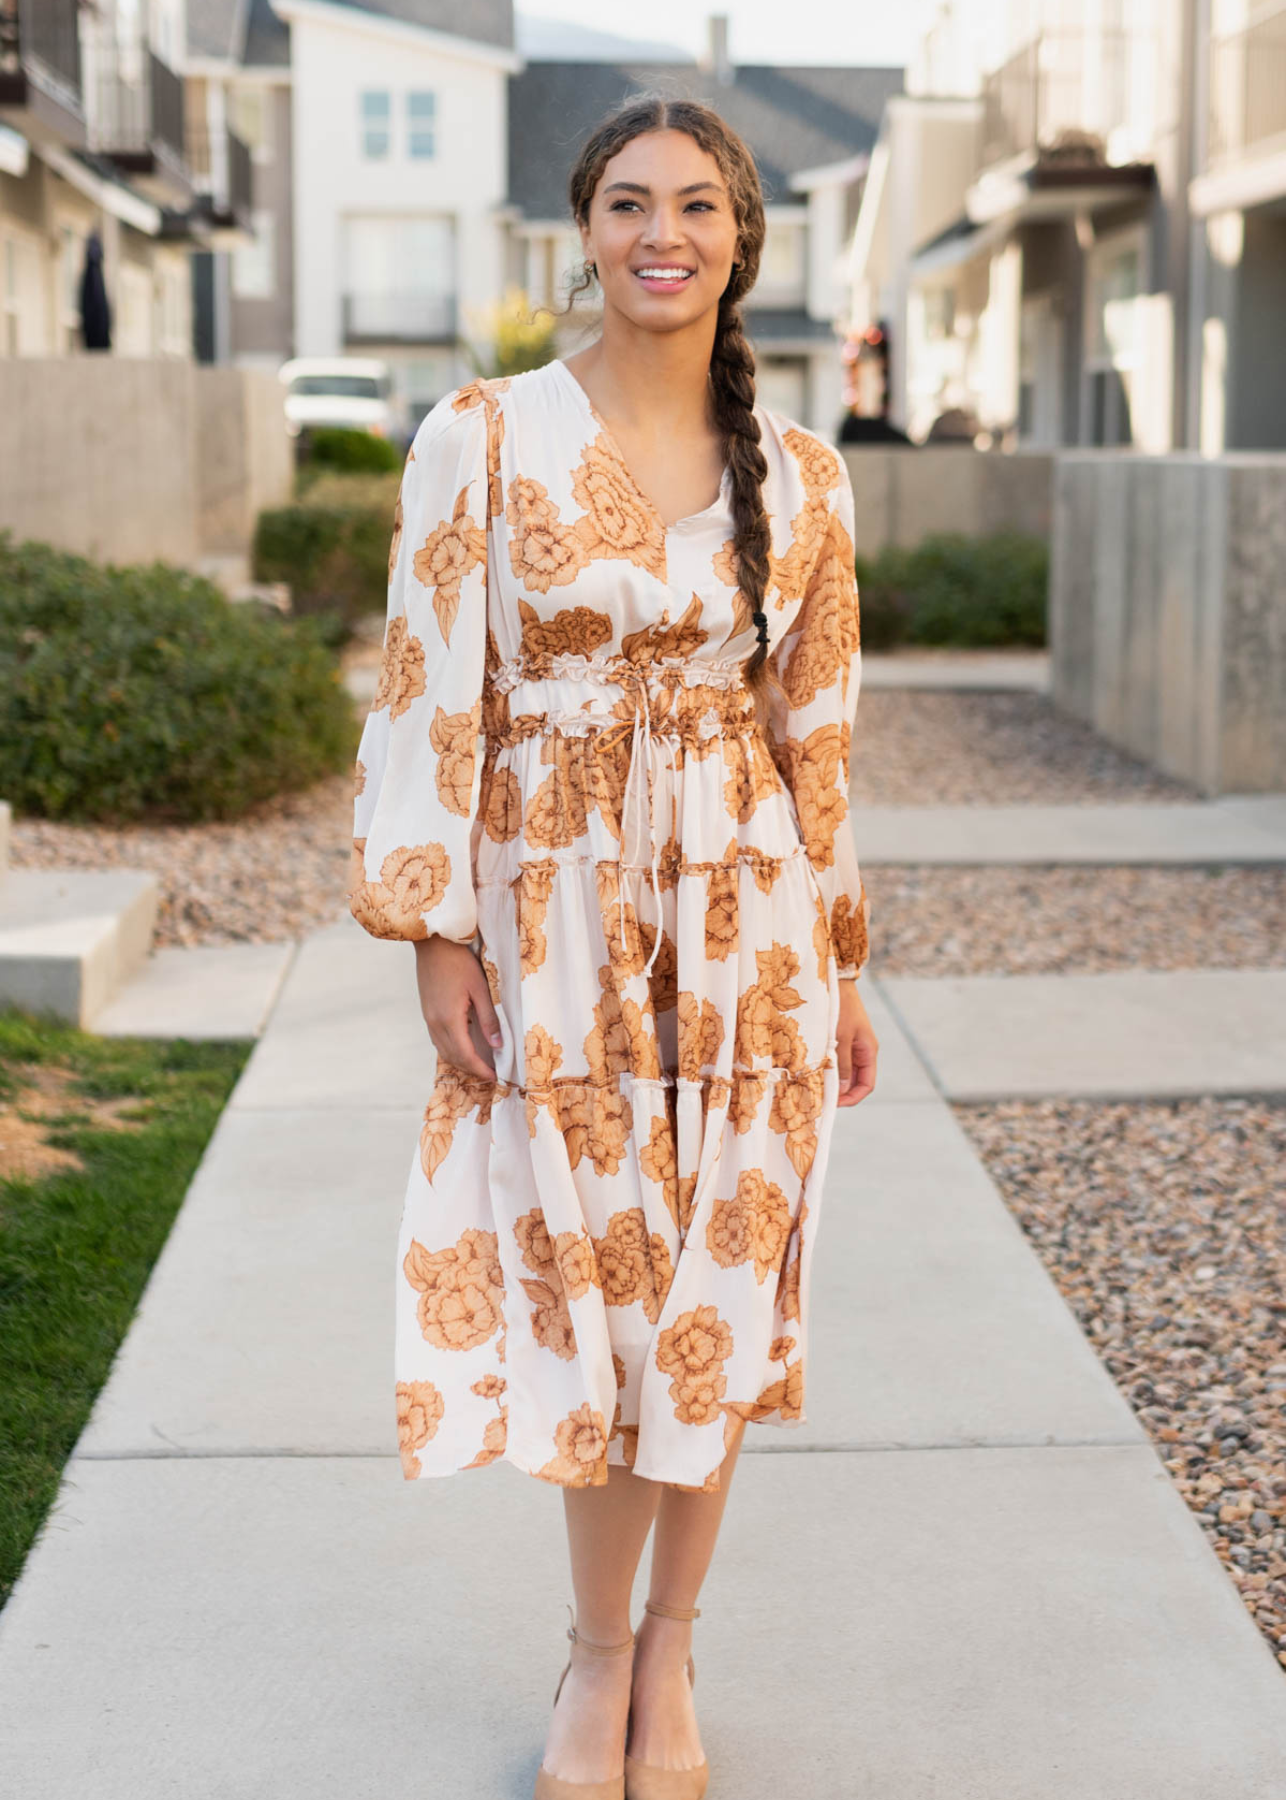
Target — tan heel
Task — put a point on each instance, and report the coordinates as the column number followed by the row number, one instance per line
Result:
column 646, row 1781
column 552, row 1787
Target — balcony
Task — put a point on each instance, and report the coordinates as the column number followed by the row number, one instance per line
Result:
column 1065, row 96
column 41, row 92
column 223, row 179
column 1248, row 90
column 136, row 116
column 393, row 318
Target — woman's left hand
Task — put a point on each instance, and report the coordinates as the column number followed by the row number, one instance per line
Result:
column 856, row 1046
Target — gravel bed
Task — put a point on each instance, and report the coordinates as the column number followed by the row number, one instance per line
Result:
column 922, row 748
column 991, row 920
column 1164, row 1226
column 275, row 873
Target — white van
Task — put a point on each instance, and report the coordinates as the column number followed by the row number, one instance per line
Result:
column 354, row 392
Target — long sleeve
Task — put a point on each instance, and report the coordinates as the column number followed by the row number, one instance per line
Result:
column 418, row 770
column 819, row 661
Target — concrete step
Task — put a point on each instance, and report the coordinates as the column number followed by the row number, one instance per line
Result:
column 70, row 938
column 1239, row 828
column 202, row 991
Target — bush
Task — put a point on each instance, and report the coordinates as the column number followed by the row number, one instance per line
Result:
column 144, row 693
column 952, row 589
column 331, row 547
column 350, row 452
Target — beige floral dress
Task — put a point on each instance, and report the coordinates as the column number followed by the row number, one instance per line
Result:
column 604, row 1252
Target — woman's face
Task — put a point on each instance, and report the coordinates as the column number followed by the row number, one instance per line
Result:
column 661, row 230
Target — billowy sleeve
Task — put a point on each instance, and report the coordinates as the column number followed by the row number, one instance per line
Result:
column 811, row 731
column 418, row 769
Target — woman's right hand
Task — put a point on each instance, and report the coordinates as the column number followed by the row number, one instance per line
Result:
column 456, row 1003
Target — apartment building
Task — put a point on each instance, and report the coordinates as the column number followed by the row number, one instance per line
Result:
column 1074, row 227
column 97, row 141
column 410, row 162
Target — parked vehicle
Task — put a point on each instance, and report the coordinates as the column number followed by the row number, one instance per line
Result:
column 354, row 392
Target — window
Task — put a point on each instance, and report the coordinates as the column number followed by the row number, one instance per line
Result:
column 376, row 118
column 421, row 114
column 254, row 265
column 250, row 117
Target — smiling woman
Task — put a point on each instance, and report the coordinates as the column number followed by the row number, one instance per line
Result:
column 638, row 916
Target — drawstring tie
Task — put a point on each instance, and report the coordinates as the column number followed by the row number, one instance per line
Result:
column 640, row 760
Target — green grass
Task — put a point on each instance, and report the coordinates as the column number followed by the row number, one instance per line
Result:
column 77, row 1245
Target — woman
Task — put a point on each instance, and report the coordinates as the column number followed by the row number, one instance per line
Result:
column 638, row 918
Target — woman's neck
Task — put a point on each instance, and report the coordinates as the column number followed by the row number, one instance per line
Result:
column 649, row 381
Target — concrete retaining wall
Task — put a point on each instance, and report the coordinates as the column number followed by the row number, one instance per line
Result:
column 127, row 459
column 1168, row 609
column 901, row 495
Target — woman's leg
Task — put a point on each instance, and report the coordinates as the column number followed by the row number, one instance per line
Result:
column 664, row 1727
column 606, row 1530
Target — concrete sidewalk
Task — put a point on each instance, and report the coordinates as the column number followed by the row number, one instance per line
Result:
column 967, row 1577
column 1239, row 828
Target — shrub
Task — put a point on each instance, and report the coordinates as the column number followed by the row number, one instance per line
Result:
column 351, row 452
column 953, row 589
column 144, row 693
column 331, row 547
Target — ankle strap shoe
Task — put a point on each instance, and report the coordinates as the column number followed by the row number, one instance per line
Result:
column 552, row 1787
column 647, row 1781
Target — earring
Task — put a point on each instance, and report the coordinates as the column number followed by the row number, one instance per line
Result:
column 591, row 268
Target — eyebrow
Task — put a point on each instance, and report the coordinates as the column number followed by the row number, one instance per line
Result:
column 641, row 187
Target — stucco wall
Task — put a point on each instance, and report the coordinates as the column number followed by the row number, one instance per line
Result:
column 127, row 459
column 900, row 495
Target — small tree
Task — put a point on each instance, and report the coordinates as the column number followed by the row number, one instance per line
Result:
column 517, row 337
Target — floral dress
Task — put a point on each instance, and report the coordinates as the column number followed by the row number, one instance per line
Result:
column 604, row 1251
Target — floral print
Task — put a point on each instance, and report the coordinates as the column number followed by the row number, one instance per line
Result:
column 605, row 1249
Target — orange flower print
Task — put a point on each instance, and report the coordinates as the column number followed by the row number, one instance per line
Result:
column 576, row 1263
column 818, row 463
column 579, row 630
column 500, row 805
column 796, row 1106
column 419, row 1413
column 395, row 542
column 624, row 1257
column 617, row 522
column 700, row 1035
column 454, row 736
column 693, row 1351
column 494, row 1439
column 751, row 1227
column 595, row 1122
column 449, row 1102
column 848, row 929
column 532, row 889
column 401, row 676
column 580, row 1450
column 446, row 557
column 543, row 552
column 461, row 1290
column 359, row 777
column 412, row 881
column 723, row 931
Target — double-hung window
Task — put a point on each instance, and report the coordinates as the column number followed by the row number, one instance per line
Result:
column 421, row 122
column 376, row 120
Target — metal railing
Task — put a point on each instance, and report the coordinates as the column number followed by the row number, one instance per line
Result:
column 406, row 318
column 42, row 38
column 222, row 167
column 136, row 100
column 1248, row 87
column 1063, row 86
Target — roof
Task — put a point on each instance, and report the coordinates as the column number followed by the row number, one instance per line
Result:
column 792, row 118
column 482, row 21
column 768, row 325
column 267, row 40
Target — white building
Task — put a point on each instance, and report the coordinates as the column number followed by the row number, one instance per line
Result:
column 1074, row 226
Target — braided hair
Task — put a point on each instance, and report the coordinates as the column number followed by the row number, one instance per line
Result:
column 732, row 362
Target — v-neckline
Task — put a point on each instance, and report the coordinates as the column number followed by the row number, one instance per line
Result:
column 618, row 454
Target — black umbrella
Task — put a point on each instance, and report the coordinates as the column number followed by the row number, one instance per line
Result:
column 95, row 311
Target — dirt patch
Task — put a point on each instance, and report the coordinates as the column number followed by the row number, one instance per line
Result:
column 48, row 1094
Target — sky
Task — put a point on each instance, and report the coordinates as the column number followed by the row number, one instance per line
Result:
column 759, row 31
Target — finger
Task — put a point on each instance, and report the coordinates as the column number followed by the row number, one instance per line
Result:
column 844, row 1058
column 459, row 1046
column 488, row 1021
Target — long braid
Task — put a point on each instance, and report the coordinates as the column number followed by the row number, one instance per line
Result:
column 732, row 362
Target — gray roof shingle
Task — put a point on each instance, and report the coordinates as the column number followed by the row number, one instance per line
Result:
column 792, row 118
column 214, row 28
